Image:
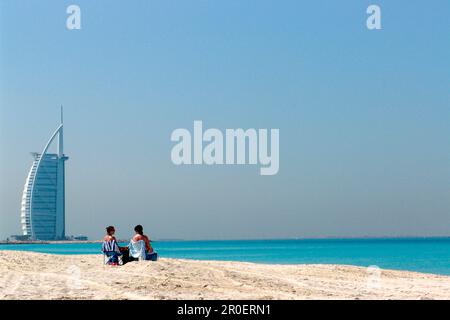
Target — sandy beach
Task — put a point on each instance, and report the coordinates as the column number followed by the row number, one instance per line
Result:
column 29, row 275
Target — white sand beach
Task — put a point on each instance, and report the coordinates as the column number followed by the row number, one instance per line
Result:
column 28, row 275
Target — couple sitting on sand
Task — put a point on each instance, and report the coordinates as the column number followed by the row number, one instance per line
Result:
column 139, row 247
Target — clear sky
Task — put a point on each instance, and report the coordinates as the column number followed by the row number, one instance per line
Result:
column 364, row 116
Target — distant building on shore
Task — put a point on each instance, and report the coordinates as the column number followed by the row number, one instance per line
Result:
column 43, row 199
column 78, row 238
column 18, row 237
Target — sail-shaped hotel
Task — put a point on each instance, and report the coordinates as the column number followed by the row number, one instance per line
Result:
column 43, row 199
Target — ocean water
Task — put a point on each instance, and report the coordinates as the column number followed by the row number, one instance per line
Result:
column 431, row 255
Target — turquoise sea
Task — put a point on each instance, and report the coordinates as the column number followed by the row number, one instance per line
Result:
column 431, row 255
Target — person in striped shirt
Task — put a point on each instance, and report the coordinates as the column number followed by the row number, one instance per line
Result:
column 110, row 247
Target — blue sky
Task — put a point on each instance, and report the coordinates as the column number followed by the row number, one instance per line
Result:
column 363, row 115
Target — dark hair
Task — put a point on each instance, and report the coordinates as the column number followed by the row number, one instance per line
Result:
column 109, row 229
column 139, row 229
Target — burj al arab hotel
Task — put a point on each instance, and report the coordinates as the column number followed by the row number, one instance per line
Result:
column 43, row 199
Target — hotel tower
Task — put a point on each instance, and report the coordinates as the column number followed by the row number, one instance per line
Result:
column 43, row 199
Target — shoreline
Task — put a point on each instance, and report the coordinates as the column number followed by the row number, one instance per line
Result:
column 443, row 237
column 31, row 275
